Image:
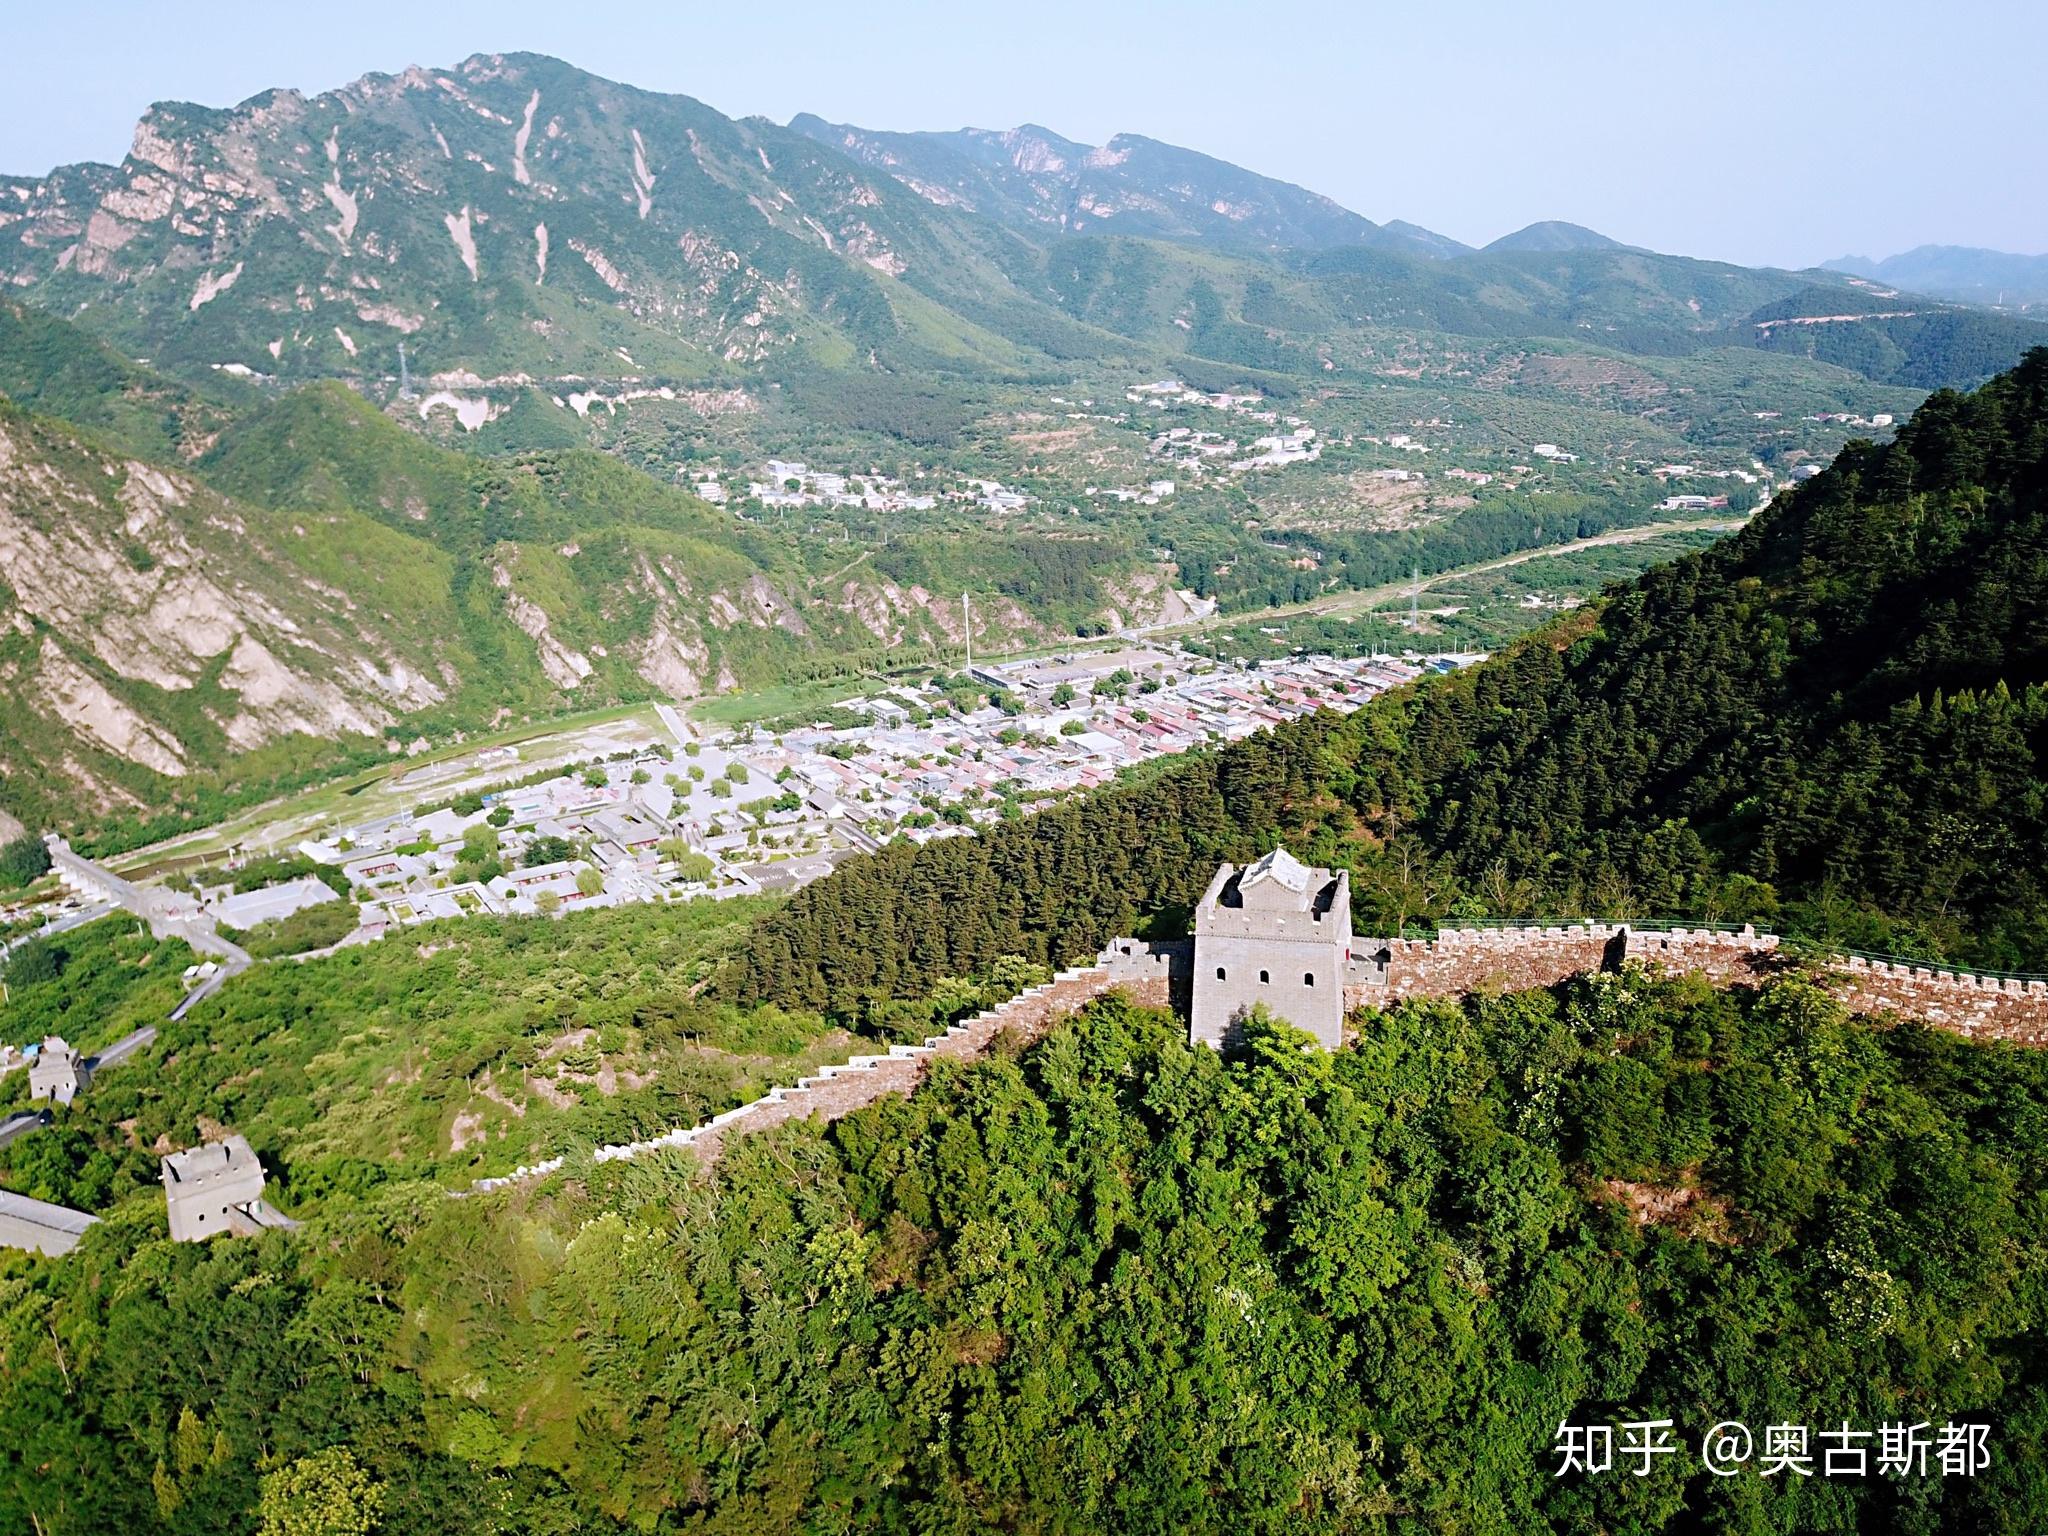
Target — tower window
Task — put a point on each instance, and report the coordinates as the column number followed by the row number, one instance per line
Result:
column 1308, row 978
column 1219, row 973
column 1264, row 976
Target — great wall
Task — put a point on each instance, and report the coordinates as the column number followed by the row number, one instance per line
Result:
column 1456, row 962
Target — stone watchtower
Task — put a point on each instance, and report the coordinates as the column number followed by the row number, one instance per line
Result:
column 217, row 1188
column 57, row 1072
column 1278, row 933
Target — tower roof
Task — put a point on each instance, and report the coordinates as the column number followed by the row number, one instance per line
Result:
column 210, row 1160
column 1279, row 866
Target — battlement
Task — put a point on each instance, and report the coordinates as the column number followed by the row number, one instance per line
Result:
column 1457, row 961
column 835, row 1091
column 215, row 1189
column 1511, row 957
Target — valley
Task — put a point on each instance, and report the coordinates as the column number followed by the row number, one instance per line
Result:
column 719, row 825
column 624, row 318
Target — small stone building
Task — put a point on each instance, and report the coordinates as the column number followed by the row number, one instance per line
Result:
column 57, row 1072
column 1276, row 932
column 217, row 1188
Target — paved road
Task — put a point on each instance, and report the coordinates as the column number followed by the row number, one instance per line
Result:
column 91, row 912
column 1354, row 600
column 674, row 721
column 170, row 915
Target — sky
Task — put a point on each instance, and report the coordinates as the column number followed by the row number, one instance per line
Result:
column 1780, row 133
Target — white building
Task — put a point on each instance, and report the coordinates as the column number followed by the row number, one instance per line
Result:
column 216, row 1189
column 57, row 1072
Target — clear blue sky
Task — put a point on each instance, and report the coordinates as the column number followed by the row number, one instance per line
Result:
column 1781, row 133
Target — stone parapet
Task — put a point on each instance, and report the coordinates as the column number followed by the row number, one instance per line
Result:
column 1464, row 960
column 1456, row 962
column 838, row 1090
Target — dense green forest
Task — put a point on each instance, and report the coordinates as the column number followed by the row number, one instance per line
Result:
column 1836, row 721
column 480, row 1044
column 1119, row 1284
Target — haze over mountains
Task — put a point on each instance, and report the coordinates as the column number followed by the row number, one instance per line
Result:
column 1959, row 272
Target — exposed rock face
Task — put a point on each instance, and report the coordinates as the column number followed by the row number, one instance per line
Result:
column 1031, row 178
column 385, row 199
column 564, row 667
column 82, row 702
column 115, row 599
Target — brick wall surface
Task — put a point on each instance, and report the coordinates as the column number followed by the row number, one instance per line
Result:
column 1982, row 1007
column 1456, row 962
column 1459, row 961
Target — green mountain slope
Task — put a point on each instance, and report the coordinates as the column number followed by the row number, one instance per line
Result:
column 152, row 630
column 1113, row 1284
column 528, row 232
column 1553, row 235
column 1035, row 181
column 50, row 366
column 510, row 216
column 1837, row 720
column 571, row 261
column 320, row 586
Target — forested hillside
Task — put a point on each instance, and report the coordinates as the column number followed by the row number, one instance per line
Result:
column 1117, row 1285
column 1837, row 721
column 207, row 597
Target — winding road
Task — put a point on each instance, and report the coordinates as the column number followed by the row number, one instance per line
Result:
column 170, row 915
column 1350, row 600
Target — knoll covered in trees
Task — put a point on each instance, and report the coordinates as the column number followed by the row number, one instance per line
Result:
column 1846, row 701
column 1836, row 721
column 471, row 1046
column 1120, row 1284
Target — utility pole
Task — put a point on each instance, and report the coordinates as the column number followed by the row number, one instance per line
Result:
column 967, row 624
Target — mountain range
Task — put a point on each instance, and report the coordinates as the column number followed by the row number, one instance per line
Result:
column 524, row 226
column 187, row 613
column 1032, row 179
column 1959, row 272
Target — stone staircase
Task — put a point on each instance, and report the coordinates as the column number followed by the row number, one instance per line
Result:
column 838, row 1090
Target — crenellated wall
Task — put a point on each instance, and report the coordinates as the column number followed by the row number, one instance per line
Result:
column 839, row 1090
column 1981, row 1007
column 1462, row 960
column 1456, row 962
